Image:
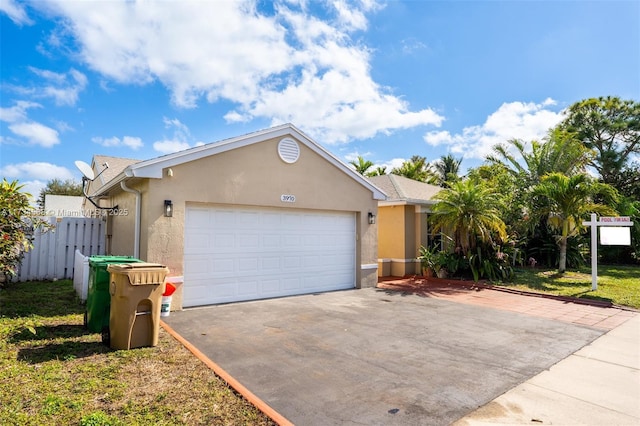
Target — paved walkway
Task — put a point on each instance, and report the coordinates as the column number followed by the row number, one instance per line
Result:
column 590, row 313
column 597, row 385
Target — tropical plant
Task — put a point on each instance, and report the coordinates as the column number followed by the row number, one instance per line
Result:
column 427, row 259
column 447, row 169
column 379, row 171
column 610, row 126
column 470, row 210
column 560, row 151
column 568, row 200
column 416, row 168
column 490, row 262
column 17, row 225
column 361, row 165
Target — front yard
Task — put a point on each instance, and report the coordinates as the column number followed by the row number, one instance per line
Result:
column 617, row 284
column 54, row 372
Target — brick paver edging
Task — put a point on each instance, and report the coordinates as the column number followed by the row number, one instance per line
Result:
column 483, row 284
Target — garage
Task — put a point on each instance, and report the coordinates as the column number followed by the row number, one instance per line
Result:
column 267, row 214
column 238, row 253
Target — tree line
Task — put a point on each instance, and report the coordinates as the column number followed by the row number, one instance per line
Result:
column 528, row 199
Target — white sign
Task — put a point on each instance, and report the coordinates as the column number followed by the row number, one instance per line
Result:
column 615, row 236
column 288, row 198
column 605, row 223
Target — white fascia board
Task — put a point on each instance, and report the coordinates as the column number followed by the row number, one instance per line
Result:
column 153, row 168
column 419, row 203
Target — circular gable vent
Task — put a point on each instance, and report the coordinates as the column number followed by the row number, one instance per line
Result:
column 288, row 150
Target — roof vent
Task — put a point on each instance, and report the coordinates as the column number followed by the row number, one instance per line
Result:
column 288, row 150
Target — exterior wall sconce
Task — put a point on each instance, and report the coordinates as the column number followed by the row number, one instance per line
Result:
column 168, row 208
column 372, row 218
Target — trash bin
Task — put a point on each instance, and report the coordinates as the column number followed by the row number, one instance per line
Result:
column 136, row 295
column 96, row 316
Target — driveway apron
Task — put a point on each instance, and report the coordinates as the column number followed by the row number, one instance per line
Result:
column 369, row 356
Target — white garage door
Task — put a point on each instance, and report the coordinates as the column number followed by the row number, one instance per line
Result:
column 242, row 253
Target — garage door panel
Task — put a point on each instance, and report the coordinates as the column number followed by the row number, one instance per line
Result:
column 197, row 264
column 248, row 288
column 271, row 240
column 235, row 254
column 270, row 286
column 271, row 263
column 197, row 217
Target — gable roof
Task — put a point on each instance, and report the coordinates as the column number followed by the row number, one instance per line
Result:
column 106, row 168
column 402, row 190
column 153, row 168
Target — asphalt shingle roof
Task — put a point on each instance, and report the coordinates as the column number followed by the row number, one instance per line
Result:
column 400, row 188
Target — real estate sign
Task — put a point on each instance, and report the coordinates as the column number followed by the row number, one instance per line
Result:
column 613, row 231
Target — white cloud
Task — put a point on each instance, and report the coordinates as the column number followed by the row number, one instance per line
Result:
column 18, row 112
column 391, row 164
column 63, row 88
column 514, row 120
column 170, row 146
column 411, row 45
column 353, row 156
column 40, row 171
column 36, row 133
column 178, row 142
column 16, row 12
column 132, row 142
column 21, row 126
column 285, row 66
column 353, row 18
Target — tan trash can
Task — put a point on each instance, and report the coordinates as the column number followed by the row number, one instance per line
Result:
column 136, row 296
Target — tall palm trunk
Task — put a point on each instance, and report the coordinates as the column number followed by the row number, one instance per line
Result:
column 562, row 264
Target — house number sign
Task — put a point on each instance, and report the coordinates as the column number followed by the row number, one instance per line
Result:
column 288, row 198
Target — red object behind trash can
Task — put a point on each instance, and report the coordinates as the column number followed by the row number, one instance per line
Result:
column 165, row 306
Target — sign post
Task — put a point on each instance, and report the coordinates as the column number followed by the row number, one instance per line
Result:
column 594, row 224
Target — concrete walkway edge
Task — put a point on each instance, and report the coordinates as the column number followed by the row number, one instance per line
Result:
column 598, row 384
column 220, row 372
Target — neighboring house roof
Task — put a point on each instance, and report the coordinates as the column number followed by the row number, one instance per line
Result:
column 153, row 168
column 402, row 190
column 106, row 168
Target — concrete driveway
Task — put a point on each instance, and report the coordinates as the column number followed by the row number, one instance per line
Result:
column 370, row 356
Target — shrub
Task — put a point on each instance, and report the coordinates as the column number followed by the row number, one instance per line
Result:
column 18, row 221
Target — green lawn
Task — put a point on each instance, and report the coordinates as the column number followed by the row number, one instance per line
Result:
column 616, row 284
column 54, row 372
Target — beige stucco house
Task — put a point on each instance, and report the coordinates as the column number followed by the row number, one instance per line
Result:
column 267, row 214
column 402, row 224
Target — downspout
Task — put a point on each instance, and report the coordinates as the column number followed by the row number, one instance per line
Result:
column 136, row 235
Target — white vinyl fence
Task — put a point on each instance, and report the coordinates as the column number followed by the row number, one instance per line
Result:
column 53, row 253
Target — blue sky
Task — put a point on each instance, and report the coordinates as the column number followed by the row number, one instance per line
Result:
column 384, row 80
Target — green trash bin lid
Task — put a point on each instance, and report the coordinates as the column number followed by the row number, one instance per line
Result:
column 100, row 260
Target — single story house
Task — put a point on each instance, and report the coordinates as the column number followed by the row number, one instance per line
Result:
column 267, row 214
column 402, row 224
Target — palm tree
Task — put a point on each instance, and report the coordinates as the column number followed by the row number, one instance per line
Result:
column 568, row 200
column 379, row 171
column 416, row 168
column 447, row 169
column 471, row 210
column 559, row 152
column 361, row 165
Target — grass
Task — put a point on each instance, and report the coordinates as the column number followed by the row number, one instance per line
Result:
column 53, row 371
column 617, row 284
